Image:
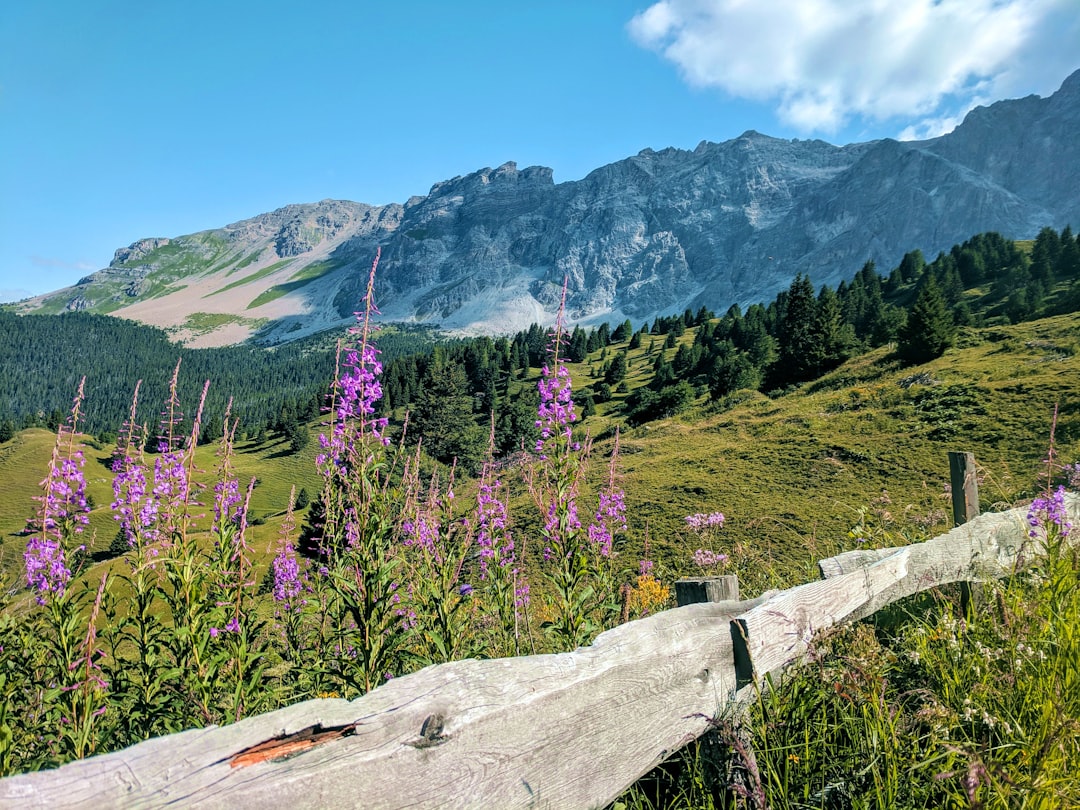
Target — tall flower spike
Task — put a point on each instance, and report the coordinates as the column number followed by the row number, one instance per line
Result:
column 611, row 508
column 227, row 489
column 556, row 411
column 64, row 510
column 171, row 416
column 288, row 584
column 355, row 392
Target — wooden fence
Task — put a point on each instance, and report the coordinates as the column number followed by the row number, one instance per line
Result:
column 571, row 730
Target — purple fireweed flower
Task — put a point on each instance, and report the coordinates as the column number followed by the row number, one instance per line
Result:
column 556, row 410
column 553, row 526
column 521, row 590
column 64, row 511
column 135, row 510
column 228, row 503
column 700, row 522
column 214, row 632
column 171, row 485
column 233, row 626
column 46, row 567
column 610, row 518
column 465, row 589
column 492, row 536
column 1045, row 512
column 360, row 388
column 287, row 582
column 706, row 558
column 422, row 532
column 645, row 567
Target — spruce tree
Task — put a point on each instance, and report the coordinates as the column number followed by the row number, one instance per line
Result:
column 929, row 330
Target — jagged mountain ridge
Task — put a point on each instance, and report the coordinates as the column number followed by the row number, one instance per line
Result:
column 725, row 223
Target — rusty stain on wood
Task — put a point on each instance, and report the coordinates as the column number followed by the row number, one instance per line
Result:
column 289, row 745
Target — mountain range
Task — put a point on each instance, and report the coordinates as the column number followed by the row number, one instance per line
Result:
column 652, row 234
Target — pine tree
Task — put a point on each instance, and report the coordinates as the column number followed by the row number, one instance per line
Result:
column 929, row 330
column 796, row 362
column 832, row 337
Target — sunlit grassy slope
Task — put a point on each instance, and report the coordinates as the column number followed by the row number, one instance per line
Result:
column 790, row 472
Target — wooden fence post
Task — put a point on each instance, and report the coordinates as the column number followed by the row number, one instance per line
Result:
column 965, row 506
column 707, row 589
column 965, row 487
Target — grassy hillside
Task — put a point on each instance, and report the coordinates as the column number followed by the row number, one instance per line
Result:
column 794, row 470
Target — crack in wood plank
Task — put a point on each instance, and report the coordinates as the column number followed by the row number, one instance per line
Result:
column 289, row 745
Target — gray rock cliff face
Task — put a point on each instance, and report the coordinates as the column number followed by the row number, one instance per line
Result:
column 729, row 222
column 652, row 234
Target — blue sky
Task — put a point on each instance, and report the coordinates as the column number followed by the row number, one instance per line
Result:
column 127, row 119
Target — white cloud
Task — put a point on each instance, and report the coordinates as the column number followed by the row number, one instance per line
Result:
column 823, row 63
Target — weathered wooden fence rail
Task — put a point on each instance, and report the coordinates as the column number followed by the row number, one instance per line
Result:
column 561, row 731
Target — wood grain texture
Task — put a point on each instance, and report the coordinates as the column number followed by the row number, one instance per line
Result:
column 567, row 730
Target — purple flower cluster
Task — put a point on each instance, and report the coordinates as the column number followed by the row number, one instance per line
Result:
column 46, row 567
column 705, row 558
column 171, row 484
column 556, row 410
column 228, row 506
column 492, row 535
column 361, row 389
column 136, row 513
column 64, row 512
column 645, row 567
column 610, row 518
column 423, row 533
column 233, row 626
column 358, row 391
column 1045, row 512
column 67, row 493
column 701, row 521
column 288, row 584
column 521, row 590
column 557, row 526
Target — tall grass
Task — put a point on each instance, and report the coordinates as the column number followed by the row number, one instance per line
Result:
column 940, row 709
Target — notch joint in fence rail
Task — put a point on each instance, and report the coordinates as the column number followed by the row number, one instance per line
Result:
column 740, row 647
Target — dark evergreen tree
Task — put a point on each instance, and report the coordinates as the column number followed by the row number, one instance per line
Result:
column 603, row 335
column 911, row 266
column 578, row 346
column 929, row 330
column 310, row 542
column 831, row 337
column 796, row 362
column 444, row 420
column 616, row 372
column 622, row 332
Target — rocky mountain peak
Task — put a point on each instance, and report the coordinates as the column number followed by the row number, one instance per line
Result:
column 136, row 251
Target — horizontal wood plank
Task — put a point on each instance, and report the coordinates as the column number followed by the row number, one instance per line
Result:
column 777, row 632
column 567, row 730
